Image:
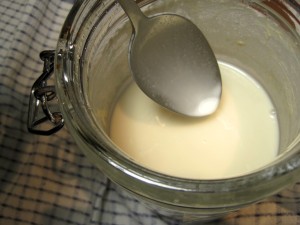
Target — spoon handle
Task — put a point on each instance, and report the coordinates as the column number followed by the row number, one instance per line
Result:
column 133, row 11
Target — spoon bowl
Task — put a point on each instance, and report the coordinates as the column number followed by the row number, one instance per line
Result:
column 172, row 62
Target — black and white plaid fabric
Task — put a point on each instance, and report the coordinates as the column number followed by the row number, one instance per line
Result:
column 47, row 180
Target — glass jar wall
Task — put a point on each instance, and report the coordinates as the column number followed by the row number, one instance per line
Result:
column 91, row 68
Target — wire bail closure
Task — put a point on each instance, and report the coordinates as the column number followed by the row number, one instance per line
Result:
column 40, row 97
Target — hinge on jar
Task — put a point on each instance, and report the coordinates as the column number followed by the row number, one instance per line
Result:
column 39, row 103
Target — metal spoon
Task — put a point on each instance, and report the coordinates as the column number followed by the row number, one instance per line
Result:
column 172, row 62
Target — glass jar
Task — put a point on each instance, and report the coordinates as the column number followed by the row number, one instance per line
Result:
column 260, row 37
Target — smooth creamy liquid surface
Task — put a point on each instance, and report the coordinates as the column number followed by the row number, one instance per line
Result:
column 240, row 137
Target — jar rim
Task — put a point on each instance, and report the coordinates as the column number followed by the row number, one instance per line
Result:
column 282, row 169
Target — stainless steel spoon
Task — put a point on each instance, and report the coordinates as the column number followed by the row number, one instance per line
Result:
column 172, row 62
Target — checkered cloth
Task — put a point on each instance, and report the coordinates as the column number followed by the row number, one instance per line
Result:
column 46, row 180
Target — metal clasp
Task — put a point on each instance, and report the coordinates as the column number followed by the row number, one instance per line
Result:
column 41, row 119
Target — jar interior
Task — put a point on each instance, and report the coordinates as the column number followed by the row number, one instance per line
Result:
column 250, row 35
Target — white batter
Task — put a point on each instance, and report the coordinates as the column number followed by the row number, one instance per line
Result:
column 240, row 137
